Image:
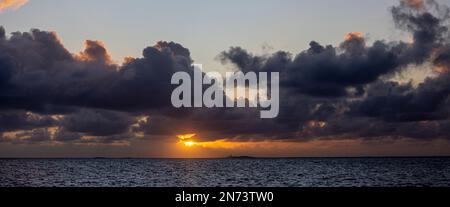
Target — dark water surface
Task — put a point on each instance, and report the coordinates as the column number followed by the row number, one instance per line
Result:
column 309, row 172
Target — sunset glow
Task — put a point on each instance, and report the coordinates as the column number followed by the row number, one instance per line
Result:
column 186, row 139
column 189, row 144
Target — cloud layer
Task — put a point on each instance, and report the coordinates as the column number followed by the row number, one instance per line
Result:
column 48, row 94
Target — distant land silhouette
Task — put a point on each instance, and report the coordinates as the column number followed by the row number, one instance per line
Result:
column 240, row 157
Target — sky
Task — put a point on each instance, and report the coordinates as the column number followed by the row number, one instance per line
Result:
column 380, row 88
column 206, row 28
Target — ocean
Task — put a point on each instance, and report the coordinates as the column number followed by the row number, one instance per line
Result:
column 281, row 172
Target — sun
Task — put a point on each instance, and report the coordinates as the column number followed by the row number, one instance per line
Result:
column 189, row 144
column 186, row 140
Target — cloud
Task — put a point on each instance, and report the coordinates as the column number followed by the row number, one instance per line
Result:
column 416, row 4
column 41, row 75
column 21, row 120
column 348, row 89
column 94, row 51
column 93, row 94
column 11, row 4
column 327, row 92
column 97, row 122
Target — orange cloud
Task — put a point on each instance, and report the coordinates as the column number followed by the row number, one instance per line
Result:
column 354, row 42
column 128, row 59
column 14, row 4
column 354, row 35
column 441, row 68
column 94, row 51
column 415, row 4
column 440, row 65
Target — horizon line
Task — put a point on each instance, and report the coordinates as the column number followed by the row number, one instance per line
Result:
column 237, row 157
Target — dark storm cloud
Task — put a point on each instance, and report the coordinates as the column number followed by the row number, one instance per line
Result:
column 322, row 70
column 62, row 135
column 442, row 60
column 346, row 87
column 34, row 136
column 429, row 101
column 97, row 122
column 20, row 120
column 343, row 91
column 39, row 73
column 429, row 30
column 2, row 33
